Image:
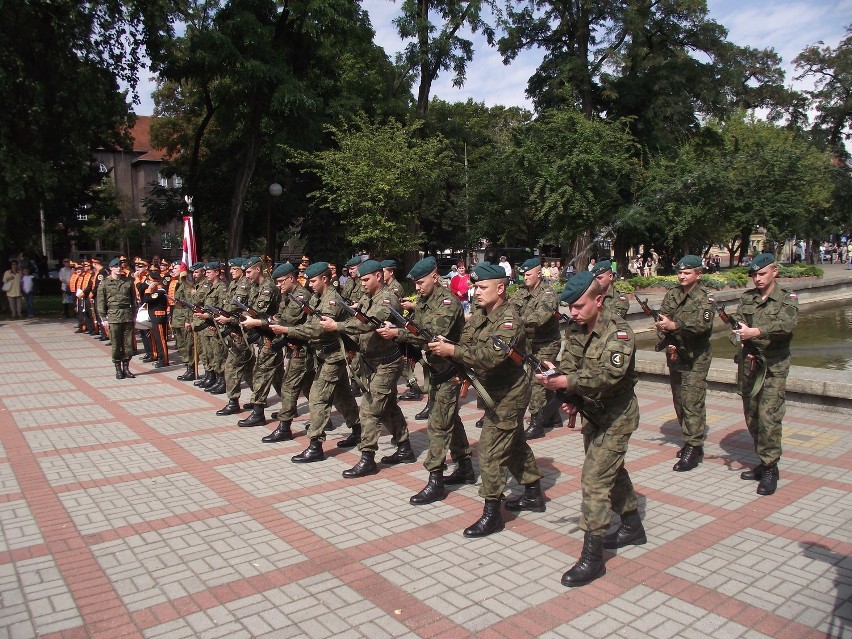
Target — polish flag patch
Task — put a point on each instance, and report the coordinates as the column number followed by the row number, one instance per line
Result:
column 447, row 302
column 793, row 296
column 508, row 325
column 386, row 302
column 331, row 302
column 622, row 335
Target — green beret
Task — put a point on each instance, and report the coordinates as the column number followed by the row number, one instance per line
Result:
column 488, row 271
column 388, row 263
column 576, row 286
column 212, row 266
column 317, row 268
column 688, row 262
column 236, row 261
column 283, row 269
column 115, row 262
column 197, row 266
column 423, row 268
column 355, row 261
column 529, row 264
column 369, row 266
column 761, row 261
column 601, row 267
column 251, row 261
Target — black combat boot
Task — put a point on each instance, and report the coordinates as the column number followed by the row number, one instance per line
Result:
column 463, row 474
column 769, row 480
column 351, row 440
column 755, row 474
column 629, row 533
column 125, row 368
column 692, row 456
column 590, row 566
column 219, row 387
column 535, row 429
column 413, row 394
column 188, row 375
column 204, row 379
column 402, row 455
column 365, row 466
column 231, row 408
column 532, row 499
column 119, row 372
column 257, row 417
column 424, row 414
column 432, row 491
column 160, row 363
column 313, row 453
column 280, row 434
column 490, row 522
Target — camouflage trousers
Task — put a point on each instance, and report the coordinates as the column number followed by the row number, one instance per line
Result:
column 331, row 384
column 445, row 429
column 689, row 392
column 606, row 486
column 379, row 407
column 267, row 361
column 764, row 414
column 502, row 447
column 238, row 365
column 215, row 350
column 183, row 343
column 121, row 341
column 298, row 379
column 546, row 352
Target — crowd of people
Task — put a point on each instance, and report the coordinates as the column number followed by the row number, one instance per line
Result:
column 300, row 329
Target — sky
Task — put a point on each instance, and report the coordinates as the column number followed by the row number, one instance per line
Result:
column 787, row 26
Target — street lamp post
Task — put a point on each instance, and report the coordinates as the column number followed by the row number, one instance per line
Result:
column 275, row 190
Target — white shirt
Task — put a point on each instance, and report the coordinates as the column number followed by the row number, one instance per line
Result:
column 507, row 267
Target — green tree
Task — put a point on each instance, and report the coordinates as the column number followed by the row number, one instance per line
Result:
column 376, row 176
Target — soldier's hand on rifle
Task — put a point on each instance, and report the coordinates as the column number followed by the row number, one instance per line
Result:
column 665, row 324
column 251, row 322
column 551, row 382
column 278, row 329
column 328, row 324
column 748, row 332
column 442, row 348
column 221, row 319
column 388, row 332
column 200, row 316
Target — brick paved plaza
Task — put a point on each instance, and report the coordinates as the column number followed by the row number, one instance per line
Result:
column 128, row 509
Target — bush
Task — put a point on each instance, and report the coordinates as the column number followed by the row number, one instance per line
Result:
column 623, row 286
column 800, row 270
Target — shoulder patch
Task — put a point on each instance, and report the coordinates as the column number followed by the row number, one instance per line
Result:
column 707, row 315
column 447, row 302
column 386, row 302
column 100, row 277
column 622, row 335
column 622, row 298
column 508, row 325
column 332, row 303
column 792, row 296
column 616, row 359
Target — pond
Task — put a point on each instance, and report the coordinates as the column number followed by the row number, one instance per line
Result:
column 822, row 339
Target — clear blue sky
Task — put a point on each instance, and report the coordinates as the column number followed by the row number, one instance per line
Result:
column 786, row 26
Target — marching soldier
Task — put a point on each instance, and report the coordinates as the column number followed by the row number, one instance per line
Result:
column 239, row 361
column 413, row 392
column 502, row 446
column 613, row 301
column 182, row 320
column 534, row 303
column 598, row 363
column 351, row 290
column 768, row 315
column 331, row 382
column 381, row 362
column 686, row 314
column 212, row 294
column 117, row 306
column 440, row 313
column 199, row 291
column 264, row 299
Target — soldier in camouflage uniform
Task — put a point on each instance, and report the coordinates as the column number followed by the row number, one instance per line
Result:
column 613, row 301
column 264, row 299
column 117, row 309
column 212, row 293
column 239, row 361
column 331, row 383
column 380, row 362
column 439, row 312
column 598, row 364
column 182, row 321
column 535, row 303
column 768, row 315
column 200, row 285
column 352, row 290
column 502, row 446
column 686, row 314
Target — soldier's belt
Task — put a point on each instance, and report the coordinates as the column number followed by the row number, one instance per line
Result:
column 386, row 359
column 328, row 350
column 444, row 376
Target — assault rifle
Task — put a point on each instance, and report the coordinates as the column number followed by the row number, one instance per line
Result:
column 668, row 339
column 583, row 405
column 349, row 344
column 195, row 308
column 254, row 335
column 362, row 317
column 749, row 361
column 462, row 372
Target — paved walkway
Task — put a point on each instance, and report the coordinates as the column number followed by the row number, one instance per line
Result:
column 128, row 509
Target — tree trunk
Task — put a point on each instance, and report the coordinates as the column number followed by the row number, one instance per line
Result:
column 426, row 75
column 251, row 151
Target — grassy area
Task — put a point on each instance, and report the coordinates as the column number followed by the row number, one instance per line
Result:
column 47, row 306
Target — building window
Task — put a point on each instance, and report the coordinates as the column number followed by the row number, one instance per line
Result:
column 164, row 181
column 178, row 181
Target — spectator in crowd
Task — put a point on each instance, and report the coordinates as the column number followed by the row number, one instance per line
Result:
column 28, row 289
column 504, row 263
column 12, row 288
column 460, row 285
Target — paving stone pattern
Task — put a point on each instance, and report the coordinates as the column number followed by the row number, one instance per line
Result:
column 129, row 509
